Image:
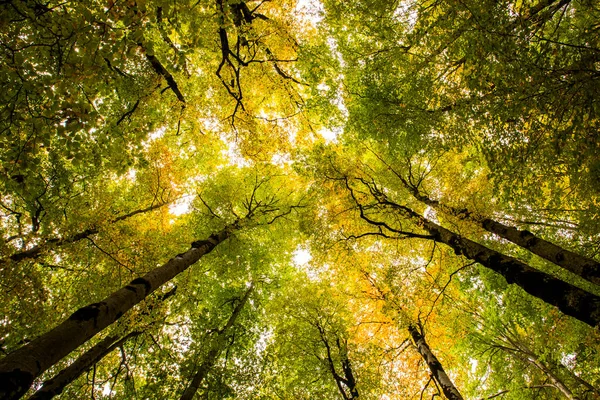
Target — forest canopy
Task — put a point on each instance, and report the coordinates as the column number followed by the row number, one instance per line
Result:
column 311, row 199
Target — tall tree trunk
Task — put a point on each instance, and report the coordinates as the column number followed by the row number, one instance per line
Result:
column 556, row 381
column 217, row 346
column 437, row 371
column 348, row 380
column 567, row 298
column 36, row 251
column 347, row 369
column 585, row 267
column 512, row 344
column 20, row 368
column 56, row 385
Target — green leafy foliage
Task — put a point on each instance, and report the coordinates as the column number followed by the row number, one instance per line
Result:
column 131, row 129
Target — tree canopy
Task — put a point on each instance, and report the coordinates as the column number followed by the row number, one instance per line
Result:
column 311, row 199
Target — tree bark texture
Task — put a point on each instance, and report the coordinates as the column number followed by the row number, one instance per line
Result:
column 56, row 385
column 217, row 347
column 437, row 371
column 568, row 298
column 20, row 368
column 585, row 267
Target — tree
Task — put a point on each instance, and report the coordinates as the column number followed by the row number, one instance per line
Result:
column 216, row 346
column 25, row 364
column 437, row 371
column 515, row 344
column 56, row 385
column 21, row 367
column 585, row 267
column 568, row 298
column 345, row 383
column 521, row 351
column 416, row 333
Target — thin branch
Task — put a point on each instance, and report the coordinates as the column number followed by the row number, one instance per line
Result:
column 210, row 210
column 109, row 255
column 445, row 286
column 129, row 113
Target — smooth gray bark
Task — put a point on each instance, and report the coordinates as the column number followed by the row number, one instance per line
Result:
column 569, row 299
column 54, row 386
column 585, row 267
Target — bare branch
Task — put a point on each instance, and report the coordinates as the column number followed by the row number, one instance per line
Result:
column 129, row 113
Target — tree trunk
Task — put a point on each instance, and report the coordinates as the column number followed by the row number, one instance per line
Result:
column 217, row 347
column 585, row 267
column 567, row 298
column 348, row 373
column 514, row 345
column 35, row 251
column 556, row 381
column 437, row 371
column 348, row 379
column 20, row 368
column 56, row 385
